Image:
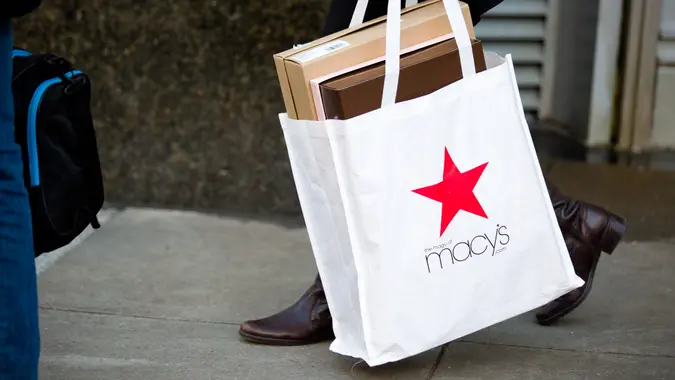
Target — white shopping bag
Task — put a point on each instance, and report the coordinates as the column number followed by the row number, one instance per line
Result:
column 429, row 219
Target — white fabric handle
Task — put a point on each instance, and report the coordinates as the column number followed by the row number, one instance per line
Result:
column 393, row 45
column 360, row 11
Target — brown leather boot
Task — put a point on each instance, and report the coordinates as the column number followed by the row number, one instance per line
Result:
column 588, row 231
column 305, row 322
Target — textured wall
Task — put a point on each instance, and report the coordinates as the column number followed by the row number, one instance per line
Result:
column 185, row 94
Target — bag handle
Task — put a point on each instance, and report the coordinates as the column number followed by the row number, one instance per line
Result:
column 393, row 46
column 360, row 11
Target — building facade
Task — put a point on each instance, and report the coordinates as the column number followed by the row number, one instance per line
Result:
column 601, row 70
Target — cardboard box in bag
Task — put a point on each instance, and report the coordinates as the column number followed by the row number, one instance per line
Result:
column 422, row 72
column 351, row 47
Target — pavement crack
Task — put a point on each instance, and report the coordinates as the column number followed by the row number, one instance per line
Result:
column 434, row 367
column 106, row 313
column 569, row 350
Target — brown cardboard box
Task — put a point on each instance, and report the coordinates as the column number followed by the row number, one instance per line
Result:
column 422, row 72
column 348, row 48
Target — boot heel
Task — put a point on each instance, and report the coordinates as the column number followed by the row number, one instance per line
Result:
column 614, row 232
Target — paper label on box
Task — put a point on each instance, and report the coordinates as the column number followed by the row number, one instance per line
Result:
column 320, row 51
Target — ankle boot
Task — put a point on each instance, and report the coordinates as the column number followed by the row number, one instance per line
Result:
column 588, row 230
column 305, row 322
column 590, row 224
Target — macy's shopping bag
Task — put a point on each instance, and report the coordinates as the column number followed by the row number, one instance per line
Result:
column 429, row 219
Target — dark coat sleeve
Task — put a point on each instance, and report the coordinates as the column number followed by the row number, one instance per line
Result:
column 340, row 12
column 17, row 8
column 479, row 7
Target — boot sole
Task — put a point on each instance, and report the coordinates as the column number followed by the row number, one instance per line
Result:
column 614, row 233
column 283, row 342
column 589, row 284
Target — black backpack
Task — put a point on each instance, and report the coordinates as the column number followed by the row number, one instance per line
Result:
column 55, row 130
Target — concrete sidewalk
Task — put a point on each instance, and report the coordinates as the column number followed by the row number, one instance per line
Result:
column 159, row 295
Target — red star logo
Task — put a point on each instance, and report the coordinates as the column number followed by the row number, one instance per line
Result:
column 455, row 191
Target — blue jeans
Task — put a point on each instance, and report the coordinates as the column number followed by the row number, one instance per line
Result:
column 19, row 332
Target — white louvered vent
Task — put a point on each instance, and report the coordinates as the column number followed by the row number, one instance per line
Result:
column 666, row 48
column 518, row 27
column 663, row 131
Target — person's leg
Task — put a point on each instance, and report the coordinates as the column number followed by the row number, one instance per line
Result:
column 19, row 333
column 588, row 230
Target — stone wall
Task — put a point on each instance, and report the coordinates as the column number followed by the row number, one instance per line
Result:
column 185, row 94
